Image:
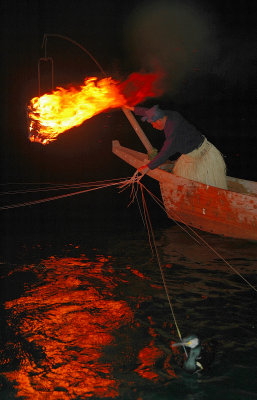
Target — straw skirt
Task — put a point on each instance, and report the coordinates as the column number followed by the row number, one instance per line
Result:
column 204, row 164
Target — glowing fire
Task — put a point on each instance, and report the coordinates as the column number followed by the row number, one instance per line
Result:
column 63, row 109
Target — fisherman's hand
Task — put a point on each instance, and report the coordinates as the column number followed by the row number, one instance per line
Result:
column 143, row 169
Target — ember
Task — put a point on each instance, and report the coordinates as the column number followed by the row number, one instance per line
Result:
column 63, row 109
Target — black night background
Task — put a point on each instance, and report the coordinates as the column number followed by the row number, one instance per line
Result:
column 215, row 90
column 208, row 51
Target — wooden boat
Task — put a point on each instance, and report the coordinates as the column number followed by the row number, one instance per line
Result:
column 231, row 213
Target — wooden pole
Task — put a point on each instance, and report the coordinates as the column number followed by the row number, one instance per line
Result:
column 140, row 133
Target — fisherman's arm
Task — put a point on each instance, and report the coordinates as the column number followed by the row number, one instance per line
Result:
column 163, row 155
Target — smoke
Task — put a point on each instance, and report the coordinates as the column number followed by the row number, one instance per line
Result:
column 191, row 43
column 137, row 87
column 171, row 37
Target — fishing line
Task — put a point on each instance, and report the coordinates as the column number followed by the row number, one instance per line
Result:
column 140, row 211
column 146, row 218
column 154, row 247
column 55, row 187
column 28, row 203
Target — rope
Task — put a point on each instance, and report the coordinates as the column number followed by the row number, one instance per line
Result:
column 29, row 203
column 60, row 186
column 153, row 246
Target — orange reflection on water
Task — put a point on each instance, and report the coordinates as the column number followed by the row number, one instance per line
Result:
column 148, row 357
column 151, row 355
column 137, row 273
column 71, row 314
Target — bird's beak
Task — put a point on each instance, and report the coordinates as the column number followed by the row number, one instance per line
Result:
column 182, row 343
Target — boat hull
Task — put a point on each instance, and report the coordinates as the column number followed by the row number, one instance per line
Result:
column 212, row 210
column 224, row 212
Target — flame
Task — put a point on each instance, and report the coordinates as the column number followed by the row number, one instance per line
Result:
column 63, row 109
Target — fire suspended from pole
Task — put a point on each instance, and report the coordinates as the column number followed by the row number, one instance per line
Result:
column 53, row 113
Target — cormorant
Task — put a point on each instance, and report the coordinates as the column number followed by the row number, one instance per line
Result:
column 199, row 357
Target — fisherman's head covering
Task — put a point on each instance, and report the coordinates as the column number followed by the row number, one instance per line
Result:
column 153, row 114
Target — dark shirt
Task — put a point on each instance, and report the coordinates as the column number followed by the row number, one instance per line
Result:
column 180, row 137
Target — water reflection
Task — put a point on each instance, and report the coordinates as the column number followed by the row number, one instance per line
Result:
column 71, row 315
column 84, row 324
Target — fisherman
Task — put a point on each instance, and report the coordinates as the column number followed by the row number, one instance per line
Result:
column 199, row 161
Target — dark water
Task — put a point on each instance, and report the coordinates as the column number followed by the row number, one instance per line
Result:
column 85, row 315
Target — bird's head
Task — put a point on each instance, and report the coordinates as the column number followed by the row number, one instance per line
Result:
column 191, row 341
